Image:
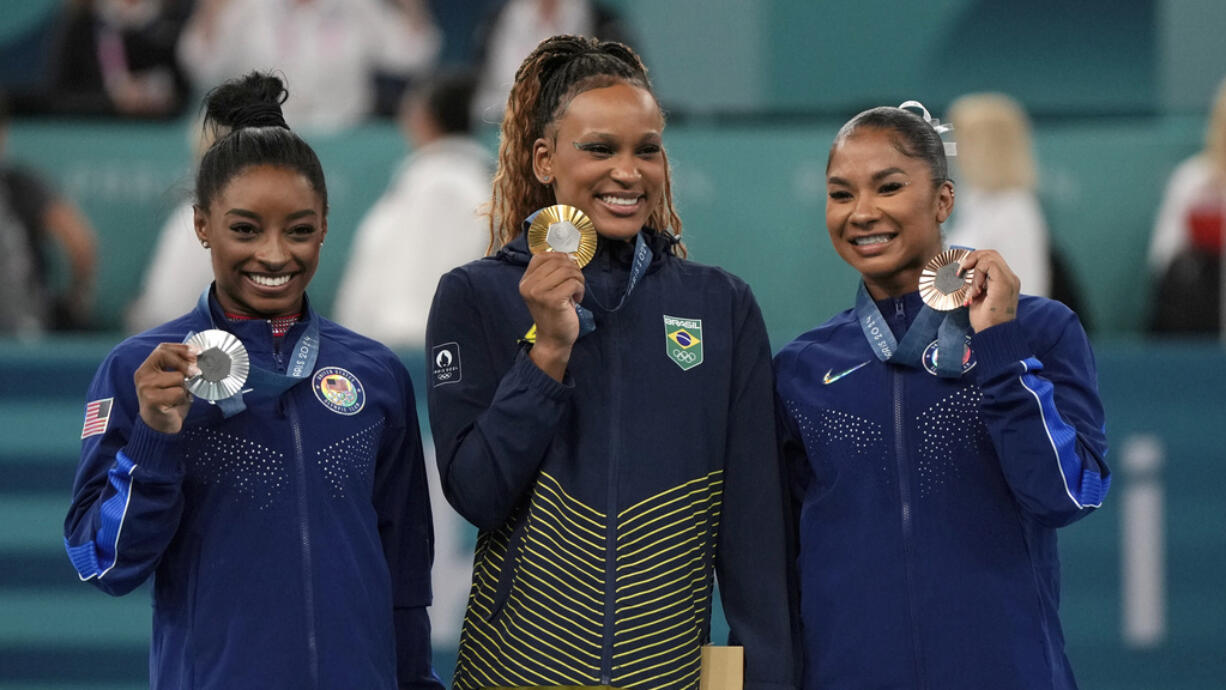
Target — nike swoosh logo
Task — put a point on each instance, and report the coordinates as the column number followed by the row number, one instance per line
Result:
column 828, row 379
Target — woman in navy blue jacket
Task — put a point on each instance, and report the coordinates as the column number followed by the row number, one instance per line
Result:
column 612, row 472
column 933, row 457
column 287, row 527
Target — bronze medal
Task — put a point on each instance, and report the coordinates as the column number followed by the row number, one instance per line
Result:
column 940, row 286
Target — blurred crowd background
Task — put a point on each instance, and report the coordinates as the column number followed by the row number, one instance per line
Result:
column 1091, row 150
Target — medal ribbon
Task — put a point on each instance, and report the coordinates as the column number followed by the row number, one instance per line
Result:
column 642, row 259
column 265, row 384
column 950, row 330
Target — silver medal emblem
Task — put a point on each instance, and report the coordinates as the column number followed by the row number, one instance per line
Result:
column 223, row 364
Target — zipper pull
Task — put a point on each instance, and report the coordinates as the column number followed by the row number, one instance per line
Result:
column 900, row 311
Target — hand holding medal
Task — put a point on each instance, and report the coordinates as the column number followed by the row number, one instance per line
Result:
column 562, row 239
column 994, row 289
column 160, row 389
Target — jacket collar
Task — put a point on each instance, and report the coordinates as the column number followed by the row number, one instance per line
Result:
column 255, row 334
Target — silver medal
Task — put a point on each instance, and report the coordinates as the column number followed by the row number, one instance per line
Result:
column 223, row 364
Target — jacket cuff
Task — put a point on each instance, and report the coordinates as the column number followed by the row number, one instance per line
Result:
column 999, row 347
column 535, row 379
column 155, row 453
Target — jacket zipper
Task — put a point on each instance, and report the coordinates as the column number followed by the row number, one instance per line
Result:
column 904, row 493
column 606, row 659
column 308, row 582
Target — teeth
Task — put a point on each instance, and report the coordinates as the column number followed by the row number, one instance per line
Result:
column 270, row 281
column 619, row 201
column 871, row 239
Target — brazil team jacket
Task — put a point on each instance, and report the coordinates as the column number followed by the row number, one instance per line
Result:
column 928, row 506
column 280, row 539
column 606, row 501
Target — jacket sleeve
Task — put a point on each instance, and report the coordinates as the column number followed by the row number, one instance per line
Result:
column 402, row 504
column 752, row 559
column 1044, row 415
column 492, row 424
column 127, row 497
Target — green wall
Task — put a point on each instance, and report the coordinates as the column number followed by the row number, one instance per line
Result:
column 751, row 198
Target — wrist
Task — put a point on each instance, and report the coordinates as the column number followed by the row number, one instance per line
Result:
column 550, row 358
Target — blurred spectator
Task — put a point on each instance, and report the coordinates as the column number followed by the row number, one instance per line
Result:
column 328, row 50
column 117, row 57
column 31, row 214
column 997, row 206
column 178, row 270
column 425, row 224
column 515, row 31
column 1185, row 250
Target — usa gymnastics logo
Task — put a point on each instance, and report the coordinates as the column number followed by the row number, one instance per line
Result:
column 930, row 357
column 339, row 390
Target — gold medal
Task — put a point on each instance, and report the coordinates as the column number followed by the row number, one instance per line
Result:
column 223, row 364
column 940, row 286
column 565, row 229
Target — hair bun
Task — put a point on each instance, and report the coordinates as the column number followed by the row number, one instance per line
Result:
column 253, row 100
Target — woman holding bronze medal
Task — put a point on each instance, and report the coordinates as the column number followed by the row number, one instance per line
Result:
column 601, row 407
column 937, row 434
column 282, row 503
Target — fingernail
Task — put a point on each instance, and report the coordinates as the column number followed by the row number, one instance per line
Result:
column 194, row 349
column 193, row 370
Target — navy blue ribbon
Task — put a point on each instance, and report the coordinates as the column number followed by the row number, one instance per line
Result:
column 949, row 329
column 265, row 384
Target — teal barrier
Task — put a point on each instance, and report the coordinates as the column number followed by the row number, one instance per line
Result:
column 751, row 198
column 1141, row 577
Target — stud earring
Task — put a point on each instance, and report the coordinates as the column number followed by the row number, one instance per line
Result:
column 545, row 179
column 204, row 243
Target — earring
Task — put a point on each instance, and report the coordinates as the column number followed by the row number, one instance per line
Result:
column 204, row 243
column 545, row 179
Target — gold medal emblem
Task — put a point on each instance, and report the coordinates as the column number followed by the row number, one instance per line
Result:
column 940, row 286
column 223, row 364
column 565, row 229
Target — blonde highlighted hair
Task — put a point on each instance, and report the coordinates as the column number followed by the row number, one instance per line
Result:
column 1215, row 134
column 559, row 69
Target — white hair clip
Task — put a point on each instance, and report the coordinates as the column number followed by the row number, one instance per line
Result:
column 951, row 148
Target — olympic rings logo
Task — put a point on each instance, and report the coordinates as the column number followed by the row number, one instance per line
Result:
column 684, row 356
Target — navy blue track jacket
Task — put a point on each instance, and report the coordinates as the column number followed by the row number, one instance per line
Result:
column 280, row 539
column 606, row 501
column 928, row 506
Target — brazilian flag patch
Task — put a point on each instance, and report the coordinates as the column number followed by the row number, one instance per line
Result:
column 683, row 341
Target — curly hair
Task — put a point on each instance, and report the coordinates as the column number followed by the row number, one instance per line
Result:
column 559, row 69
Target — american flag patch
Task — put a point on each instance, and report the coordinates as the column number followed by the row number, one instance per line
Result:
column 97, row 416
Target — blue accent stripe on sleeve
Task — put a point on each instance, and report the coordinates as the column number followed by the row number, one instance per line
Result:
column 1091, row 487
column 97, row 557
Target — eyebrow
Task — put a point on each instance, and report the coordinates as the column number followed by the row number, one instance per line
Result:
column 877, row 176
column 255, row 216
column 586, row 137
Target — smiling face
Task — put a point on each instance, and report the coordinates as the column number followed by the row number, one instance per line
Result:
column 604, row 156
column 264, row 229
column 884, row 211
